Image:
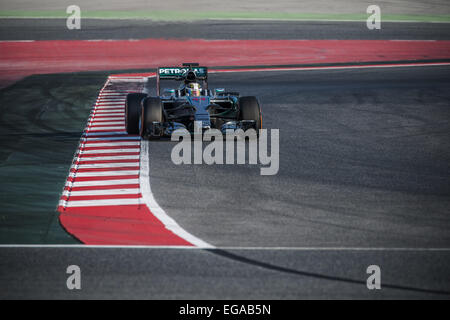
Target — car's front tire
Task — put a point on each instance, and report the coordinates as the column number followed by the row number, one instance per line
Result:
column 152, row 111
column 132, row 112
column 249, row 109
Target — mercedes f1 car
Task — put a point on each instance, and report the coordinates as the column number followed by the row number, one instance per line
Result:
column 192, row 102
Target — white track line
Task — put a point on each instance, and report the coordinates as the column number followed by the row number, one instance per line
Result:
column 102, row 182
column 96, row 123
column 104, row 173
column 105, row 120
column 118, row 92
column 105, row 129
column 111, row 97
column 105, row 165
column 160, row 214
column 93, row 140
column 108, row 113
column 112, row 144
column 110, row 104
column 116, row 133
column 133, row 157
column 102, row 119
column 103, row 202
column 109, row 109
column 399, row 65
column 106, row 117
column 111, row 150
column 122, row 98
column 101, row 192
column 119, row 110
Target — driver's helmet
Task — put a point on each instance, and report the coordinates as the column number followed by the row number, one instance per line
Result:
column 193, row 89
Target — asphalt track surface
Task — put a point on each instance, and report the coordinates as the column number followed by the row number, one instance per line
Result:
column 221, row 274
column 364, row 160
column 364, row 168
column 55, row 29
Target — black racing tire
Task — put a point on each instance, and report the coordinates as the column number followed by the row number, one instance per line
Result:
column 132, row 110
column 249, row 109
column 152, row 111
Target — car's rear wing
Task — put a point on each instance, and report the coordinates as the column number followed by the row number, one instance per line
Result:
column 180, row 73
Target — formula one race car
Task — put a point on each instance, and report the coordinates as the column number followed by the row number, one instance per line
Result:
column 192, row 102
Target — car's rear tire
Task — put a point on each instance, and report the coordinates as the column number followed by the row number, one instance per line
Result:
column 152, row 111
column 249, row 109
column 132, row 110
